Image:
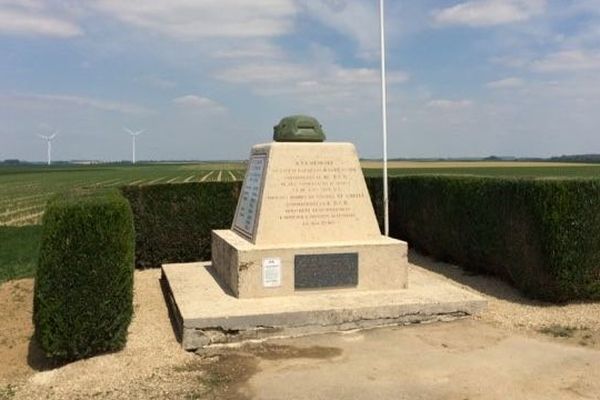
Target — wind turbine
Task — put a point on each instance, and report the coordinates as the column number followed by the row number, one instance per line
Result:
column 133, row 135
column 48, row 140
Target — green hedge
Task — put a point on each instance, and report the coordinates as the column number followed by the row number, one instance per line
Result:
column 84, row 280
column 375, row 187
column 173, row 221
column 541, row 234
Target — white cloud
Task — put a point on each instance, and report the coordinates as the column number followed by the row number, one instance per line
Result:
column 31, row 18
column 259, row 50
column 264, row 73
column 155, row 81
column 478, row 13
column 568, row 60
column 193, row 101
column 358, row 20
column 368, row 75
column 512, row 61
column 49, row 100
column 305, row 75
column 192, row 19
column 506, row 83
column 449, row 105
column 318, row 86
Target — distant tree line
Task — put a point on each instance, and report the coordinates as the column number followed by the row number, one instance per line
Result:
column 577, row 158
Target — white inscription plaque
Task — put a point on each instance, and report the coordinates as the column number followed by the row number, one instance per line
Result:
column 245, row 216
column 271, row 272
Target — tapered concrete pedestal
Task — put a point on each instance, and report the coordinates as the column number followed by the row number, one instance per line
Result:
column 305, row 221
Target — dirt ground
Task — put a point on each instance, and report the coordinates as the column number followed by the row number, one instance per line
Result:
column 516, row 349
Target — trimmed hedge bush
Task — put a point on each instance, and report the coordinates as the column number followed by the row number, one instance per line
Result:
column 84, row 281
column 541, row 234
column 173, row 221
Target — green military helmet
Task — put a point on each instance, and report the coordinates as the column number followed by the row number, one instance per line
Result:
column 298, row 128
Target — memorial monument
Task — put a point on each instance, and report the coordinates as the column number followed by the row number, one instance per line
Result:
column 304, row 221
column 304, row 254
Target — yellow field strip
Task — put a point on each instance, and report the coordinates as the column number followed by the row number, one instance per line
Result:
column 21, row 198
column 20, row 185
column 20, row 210
column 232, row 175
column 136, row 182
column 189, row 178
column 118, row 181
column 172, row 180
column 467, row 164
column 9, row 208
column 205, row 177
column 103, row 183
column 155, row 180
column 21, row 220
column 219, row 176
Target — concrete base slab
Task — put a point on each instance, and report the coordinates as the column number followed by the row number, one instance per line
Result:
column 204, row 313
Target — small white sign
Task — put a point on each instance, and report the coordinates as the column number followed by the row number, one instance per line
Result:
column 271, row 272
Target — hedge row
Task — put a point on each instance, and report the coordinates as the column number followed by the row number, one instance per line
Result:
column 84, row 280
column 173, row 221
column 543, row 235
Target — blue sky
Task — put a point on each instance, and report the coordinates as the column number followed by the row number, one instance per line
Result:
column 207, row 79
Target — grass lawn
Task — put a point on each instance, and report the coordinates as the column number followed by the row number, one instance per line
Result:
column 18, row 251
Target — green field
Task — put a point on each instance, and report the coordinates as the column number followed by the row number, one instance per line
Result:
column 515, row 169
column 24, row 190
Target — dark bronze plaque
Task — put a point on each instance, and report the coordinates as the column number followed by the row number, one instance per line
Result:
column 315, row 271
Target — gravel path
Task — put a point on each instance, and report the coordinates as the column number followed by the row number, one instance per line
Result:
column 508, row 308
column 146, row 368
column 153, row 365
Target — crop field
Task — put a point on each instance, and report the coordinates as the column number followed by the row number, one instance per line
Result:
column 514, row 169
column 25, row 190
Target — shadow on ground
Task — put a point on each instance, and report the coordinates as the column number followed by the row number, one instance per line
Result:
column 486, row 284
column 37, row 360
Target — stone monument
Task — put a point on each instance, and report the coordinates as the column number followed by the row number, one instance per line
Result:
column 304, row 222
column 304, row 255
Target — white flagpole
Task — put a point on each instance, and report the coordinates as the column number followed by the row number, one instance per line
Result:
column 386, row 222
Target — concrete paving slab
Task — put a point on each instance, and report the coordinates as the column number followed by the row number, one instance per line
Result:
column 204, row 313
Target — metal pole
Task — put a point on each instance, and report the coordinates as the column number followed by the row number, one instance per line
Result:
column 133, row 150
column 386, row 223
column 49, row 152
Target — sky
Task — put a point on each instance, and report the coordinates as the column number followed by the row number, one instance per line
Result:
column 207, row 79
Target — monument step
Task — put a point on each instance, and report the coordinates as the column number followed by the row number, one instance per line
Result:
column 205, row 314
